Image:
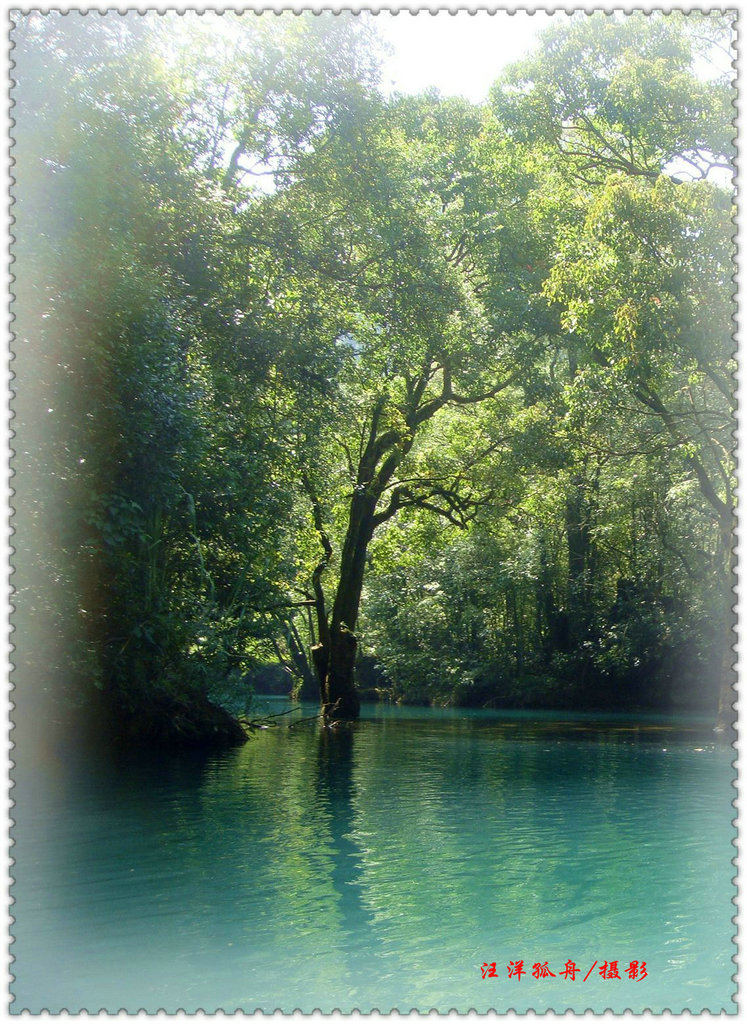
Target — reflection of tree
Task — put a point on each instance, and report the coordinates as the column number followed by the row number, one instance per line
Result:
column 336, row 793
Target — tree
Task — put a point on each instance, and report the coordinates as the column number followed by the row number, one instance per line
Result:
column 103, row 324
column 621, row 95
column 643, row 279
column 635, row 383
column 154, row 350
column 392, row 237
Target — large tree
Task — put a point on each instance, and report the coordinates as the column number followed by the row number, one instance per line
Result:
column 390, row 223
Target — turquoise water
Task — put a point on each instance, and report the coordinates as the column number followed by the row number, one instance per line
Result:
column 379, row 866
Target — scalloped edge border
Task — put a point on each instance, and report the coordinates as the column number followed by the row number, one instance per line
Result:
column 738, row 589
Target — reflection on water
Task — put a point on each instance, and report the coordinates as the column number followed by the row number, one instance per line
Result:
column 379, row 865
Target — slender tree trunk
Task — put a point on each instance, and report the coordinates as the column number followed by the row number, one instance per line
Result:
column 578, row 540
column 577, row 534
column 308, row 688
column 726, row 720
column 546, row 610
column 518, row 632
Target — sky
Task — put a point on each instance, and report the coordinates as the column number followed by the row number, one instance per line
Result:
column 459, row 54
column 463, row 54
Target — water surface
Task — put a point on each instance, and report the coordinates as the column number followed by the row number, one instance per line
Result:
column 380, row 865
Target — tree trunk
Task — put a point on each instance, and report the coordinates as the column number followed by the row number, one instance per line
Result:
column 308, row 686
column 334, row 660
column 547, row 613
column 726, row 720
column 576, row 525
column 335, row 669
column 342, row 700
column 578, row 548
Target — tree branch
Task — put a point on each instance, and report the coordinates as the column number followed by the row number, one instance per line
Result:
column 395, row 503
column 652, row 401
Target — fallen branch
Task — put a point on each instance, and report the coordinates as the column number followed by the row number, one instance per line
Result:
column 324, row 713
column 308, row 718
column 264, row 722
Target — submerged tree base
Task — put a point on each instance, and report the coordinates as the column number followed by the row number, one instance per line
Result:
column 345, row 709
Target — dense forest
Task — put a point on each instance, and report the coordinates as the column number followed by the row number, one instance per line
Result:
column 368, row 396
